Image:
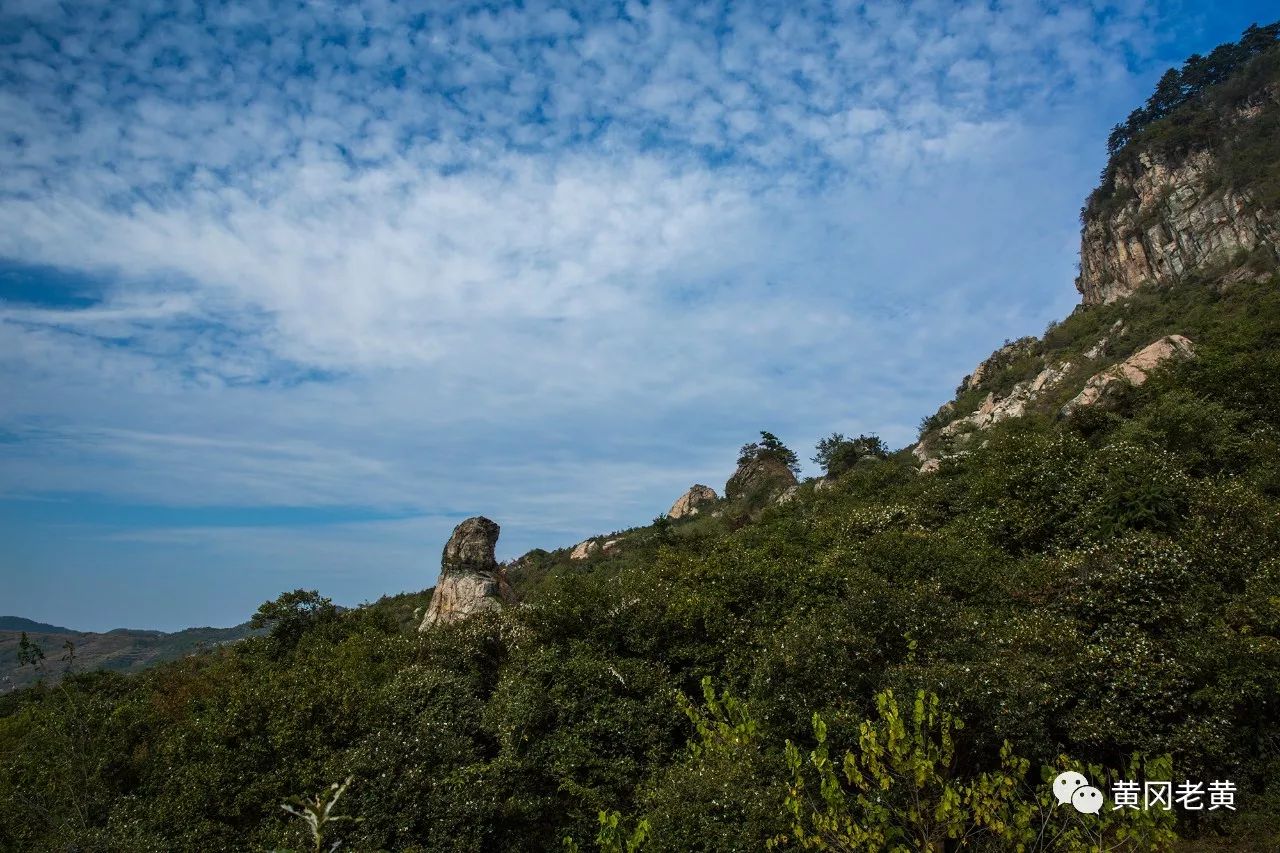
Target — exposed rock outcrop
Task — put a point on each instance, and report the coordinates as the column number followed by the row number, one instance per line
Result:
column 471, row 580
column 584, row 549
column 1185, row 196
column 1013, row 404
column 763, row 477
column 1173, row 220
column 1133, row 370
column 692, row 501
column 1103, row 345
column 588, row 547
column 999, row 359
column 994, row 408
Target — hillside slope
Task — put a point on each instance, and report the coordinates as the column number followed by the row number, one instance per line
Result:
column 1187, row 213
column 121, row 650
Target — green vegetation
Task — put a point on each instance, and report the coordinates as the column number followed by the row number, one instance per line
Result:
column 769, row 447
column 898, row 791
column 837, row 454
column 292, row 615
column 1197, row 76
column 1198, row 107
column 317, row 813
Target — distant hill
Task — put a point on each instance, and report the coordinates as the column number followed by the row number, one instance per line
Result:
column 119, row 650
column 18, row 623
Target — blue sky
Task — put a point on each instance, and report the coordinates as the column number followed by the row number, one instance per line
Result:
column 287, row 290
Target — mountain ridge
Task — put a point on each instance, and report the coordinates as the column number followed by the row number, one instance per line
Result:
column 21, row 623
column 122, row 650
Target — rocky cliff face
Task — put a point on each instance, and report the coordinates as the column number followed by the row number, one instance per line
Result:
column 1173, row 222
column 471, row 580
column 1169, row 213
column 1191, row 192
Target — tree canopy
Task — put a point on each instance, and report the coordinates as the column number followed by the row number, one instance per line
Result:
column 837, row 454
column 769, row 447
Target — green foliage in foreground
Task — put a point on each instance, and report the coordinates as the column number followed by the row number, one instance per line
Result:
column 1097, row 588
column 319, row 815
column 898, row 790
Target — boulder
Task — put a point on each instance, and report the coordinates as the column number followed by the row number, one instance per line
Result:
column 761, row 477
column 692, row 501
column 1133, row 370
column 471, row 580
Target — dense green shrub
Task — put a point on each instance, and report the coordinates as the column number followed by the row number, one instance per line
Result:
column 837, row 454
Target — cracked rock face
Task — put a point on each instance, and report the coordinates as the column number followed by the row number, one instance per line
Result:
column 471, row 579
column 1174, row 220
column 692, row 501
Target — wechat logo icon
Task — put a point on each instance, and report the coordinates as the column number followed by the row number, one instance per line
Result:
column 1072, row 787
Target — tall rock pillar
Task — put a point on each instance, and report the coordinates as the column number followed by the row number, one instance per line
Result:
column 471, row 580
